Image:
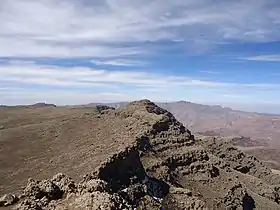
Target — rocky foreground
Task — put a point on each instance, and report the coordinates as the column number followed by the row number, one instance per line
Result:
column 156, row 164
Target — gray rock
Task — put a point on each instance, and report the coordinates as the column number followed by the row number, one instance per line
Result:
column 40, row 189
column 29, row 204
column 94, row 185
column 64, row 182
column 233, row 197
column 8, row 199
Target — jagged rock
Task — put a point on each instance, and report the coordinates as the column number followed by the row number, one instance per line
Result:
column 93, row 185
column 8, row 199
column 134, row 193
column 201, row 171
column 64, row 182
column 156, row 188
column 270, row 192
column 148, row 203
column 186, row 158
column 235, row 198
column 39, row 194
column 40, row 189
column 36, row 204
column 40, row 105
column 101, row 108
column 152, row 166
column 179, row 190
column 122, row 169
column 29, row 204
column 94, row 201
column 181, row 200
column 239, row 161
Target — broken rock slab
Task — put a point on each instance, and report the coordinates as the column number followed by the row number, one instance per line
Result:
column 8, row 199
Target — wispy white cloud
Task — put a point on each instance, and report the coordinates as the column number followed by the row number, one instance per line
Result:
column 209, row 72
column 121, row 33
column 17, row 62
column 263, row 58
column 119, row 62
column 87, row 77
column 25, row 83
column 74, row 28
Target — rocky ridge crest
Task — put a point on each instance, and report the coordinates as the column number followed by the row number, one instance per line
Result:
column 163, row 167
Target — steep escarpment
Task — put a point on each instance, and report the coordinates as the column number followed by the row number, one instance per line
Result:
column 154, row 162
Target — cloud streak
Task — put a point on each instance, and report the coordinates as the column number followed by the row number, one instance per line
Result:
column 73, row 28
column 119, row 62
column 87, row 77
column 31, row 83
column 264, row 58
column 75, row 77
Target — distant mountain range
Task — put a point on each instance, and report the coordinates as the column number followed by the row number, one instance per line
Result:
column 226, row 122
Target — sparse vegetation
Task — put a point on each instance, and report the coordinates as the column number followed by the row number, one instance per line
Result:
column 138, row 156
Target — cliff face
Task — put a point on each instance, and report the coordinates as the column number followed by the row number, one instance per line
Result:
column 148, row 160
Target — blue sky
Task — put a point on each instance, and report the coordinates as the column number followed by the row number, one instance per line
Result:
column 83, row 51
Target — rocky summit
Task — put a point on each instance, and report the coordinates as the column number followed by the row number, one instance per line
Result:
column 136, row 157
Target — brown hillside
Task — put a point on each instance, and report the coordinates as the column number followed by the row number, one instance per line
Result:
column 139, row 157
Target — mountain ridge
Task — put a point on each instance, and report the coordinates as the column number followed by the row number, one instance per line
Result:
column 138, row 156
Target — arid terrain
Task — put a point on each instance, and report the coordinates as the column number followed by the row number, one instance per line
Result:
column 135, row 157
column 227, row 122
column 222, row 121
column 255, row 133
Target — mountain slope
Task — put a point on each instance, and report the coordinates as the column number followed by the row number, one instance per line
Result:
column 256, row 134
column 261, row 128
column 226, row 122
column 137, row 156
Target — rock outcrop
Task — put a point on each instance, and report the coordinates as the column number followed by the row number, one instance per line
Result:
column 40, row 105
column 162, row 167
column 8, row 199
